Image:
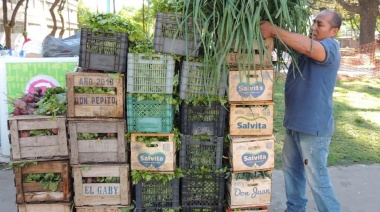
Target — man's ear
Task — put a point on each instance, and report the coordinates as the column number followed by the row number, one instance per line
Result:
column 334, row 32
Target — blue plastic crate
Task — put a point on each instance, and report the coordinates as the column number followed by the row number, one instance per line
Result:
column 149, row 115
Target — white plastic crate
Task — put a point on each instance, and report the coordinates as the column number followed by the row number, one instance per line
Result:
column 196, row 80
column 150, row 73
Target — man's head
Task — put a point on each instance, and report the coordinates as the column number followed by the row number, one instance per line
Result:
column 326, row 25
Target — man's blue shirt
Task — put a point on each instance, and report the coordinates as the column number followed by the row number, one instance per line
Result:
column 309, row 92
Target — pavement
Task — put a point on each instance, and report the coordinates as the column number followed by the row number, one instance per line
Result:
column 357, row 188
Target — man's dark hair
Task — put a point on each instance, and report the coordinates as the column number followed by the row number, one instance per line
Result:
column 336, row 20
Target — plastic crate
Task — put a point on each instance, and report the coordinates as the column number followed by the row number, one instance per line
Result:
column 170, row 37
column 203, row 119
column 150, row 73
column 101, row 50
column 154, row 195
column 149, row 115
column 203, row 192
column 198, row 151
column 196, row 80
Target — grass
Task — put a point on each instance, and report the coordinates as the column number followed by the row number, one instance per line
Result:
column 357, row 122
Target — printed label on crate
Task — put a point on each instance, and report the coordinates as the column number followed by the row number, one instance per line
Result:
column 95, row 99
column 252, row 155
column 253, row 85
column 156, row 159
column 255, row 89
column 95, row 189
column 251, row 119
column 249, row 192
column 250, row 159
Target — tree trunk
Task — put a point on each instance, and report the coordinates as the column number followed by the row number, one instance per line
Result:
column 368, row 20
column 25, row 33
column 8, row 26
column 54, row 30
column 60, row 8
column 368, row 11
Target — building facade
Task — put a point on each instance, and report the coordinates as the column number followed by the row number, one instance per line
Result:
column 39, row 20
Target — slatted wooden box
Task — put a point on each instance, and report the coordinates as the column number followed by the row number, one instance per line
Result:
column 252, row 192
column 263, row 208
column 96, row 194
column 255, row 153
column 250, row 85
column 98, row 104
column 87, row 148
column 104, row 208
column 25, row 146
column 235, row 58
column 55, row 207
column 32, row 192
column 160, row 156
column 251, row 118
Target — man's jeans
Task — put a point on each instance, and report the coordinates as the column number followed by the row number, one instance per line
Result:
column 304, row 157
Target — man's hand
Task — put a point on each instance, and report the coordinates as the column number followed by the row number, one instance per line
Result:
column 267, row 29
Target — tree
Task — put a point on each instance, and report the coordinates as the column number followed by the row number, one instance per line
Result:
column 60, row 8
column 8, row 25
column 368, row 11
column 54, row 30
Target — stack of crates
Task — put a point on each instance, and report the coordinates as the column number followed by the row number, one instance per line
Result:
column 96, row 123
column 150, row 120
column 39, row 154
column 202, row 125
column 251, row 150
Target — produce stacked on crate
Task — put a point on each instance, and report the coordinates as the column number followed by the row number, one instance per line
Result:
column 96, row 120
column 251, row 147
column 150, row 123
column 39, row 151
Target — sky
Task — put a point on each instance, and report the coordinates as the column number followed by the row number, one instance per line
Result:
column 102, row 4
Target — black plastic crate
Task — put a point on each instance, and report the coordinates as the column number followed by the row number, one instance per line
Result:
column 203, row 119
column 200, row 151
column 155, row 195
column 202, row 192
column 101, row 50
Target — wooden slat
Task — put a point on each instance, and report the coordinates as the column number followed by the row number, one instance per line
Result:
column 51, row 207
column 124, row 188
column 38, row 141
column 15, row 142
column 96, row 146
column 100, row 209
column 42, row 124
column 99, row 158
column 96, row 127
column 121, row 150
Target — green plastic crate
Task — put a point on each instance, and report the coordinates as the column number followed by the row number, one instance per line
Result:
column 149, row 115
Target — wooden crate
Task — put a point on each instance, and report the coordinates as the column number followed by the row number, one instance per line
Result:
column 250, row 85
column 95, row 105
column 55, row 207
column 112, row 150
column 233, row 58
column 253, row 192
column 33, row 192
column 161, row 157
column 263, row 208
column 102, row 209
column 251, row 119
column 37, row 147
column 94, row 194
column 252, row 154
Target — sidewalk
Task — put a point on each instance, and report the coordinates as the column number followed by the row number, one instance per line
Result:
column 357, row 188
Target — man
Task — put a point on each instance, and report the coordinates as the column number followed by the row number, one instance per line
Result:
column 308, row 116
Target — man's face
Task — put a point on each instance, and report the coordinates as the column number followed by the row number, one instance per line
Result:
column 321, row 27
